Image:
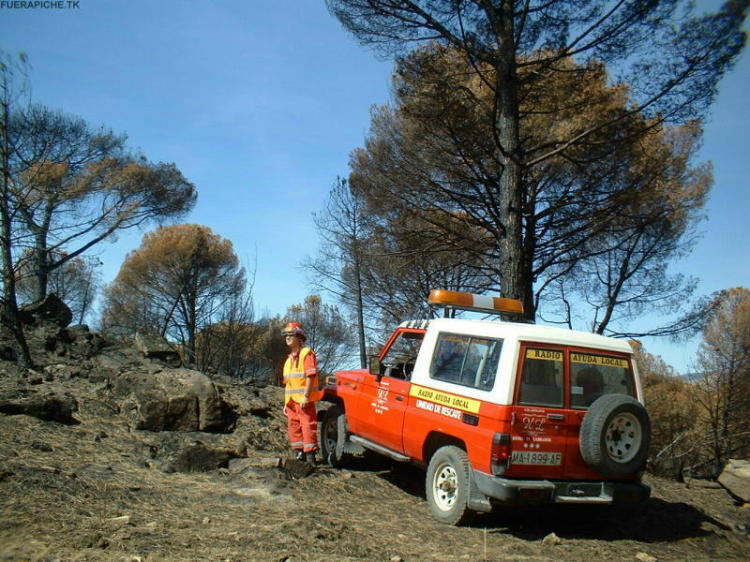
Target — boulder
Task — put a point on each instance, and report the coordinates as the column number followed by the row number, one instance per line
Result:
column 82, row 342
column 156, row 347
column 297, row 469
column 736, row 479
column 199, row 457
column 105, row 368
column 49, row 310
column 172, row 400
column 61, row 371
column 48, row 407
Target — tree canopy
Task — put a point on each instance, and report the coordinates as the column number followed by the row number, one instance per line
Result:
column 600, row 220
column 632, row 66
column 724, row 363
column 179, row 281
column 327, row 332
column 343, row 227
column 75, row 186
column 76, row 282
column 66, row 187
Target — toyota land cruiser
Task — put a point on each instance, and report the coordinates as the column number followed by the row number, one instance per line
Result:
column 497, row 412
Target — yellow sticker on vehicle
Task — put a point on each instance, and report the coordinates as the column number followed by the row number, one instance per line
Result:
column 544, row 354
column 599, row 360
column 446, row 399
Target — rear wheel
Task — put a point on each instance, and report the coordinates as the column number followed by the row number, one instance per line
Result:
column 332, row 434
column 615, row 435
column 447, row 485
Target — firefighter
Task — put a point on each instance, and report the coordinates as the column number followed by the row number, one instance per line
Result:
column 301, row 391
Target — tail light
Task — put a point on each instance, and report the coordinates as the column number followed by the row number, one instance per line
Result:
column 500, row 453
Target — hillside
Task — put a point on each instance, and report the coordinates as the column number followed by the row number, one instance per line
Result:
column 90, row 471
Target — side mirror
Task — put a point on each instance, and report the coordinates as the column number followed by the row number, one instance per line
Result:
column 374, row 365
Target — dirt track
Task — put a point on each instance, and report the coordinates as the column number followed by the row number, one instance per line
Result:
column 98, row 491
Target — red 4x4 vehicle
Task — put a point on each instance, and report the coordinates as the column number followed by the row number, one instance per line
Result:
column 498, row 412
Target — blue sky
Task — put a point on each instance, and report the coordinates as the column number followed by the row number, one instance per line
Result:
column 260, row 102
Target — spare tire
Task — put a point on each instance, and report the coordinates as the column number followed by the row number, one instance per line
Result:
column 615, row 435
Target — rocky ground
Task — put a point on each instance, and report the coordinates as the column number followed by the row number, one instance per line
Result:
column 88, row 471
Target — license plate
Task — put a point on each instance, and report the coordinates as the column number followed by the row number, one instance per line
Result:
column 533, row 457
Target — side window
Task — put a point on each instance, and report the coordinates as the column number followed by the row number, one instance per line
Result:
column 466, row 360
column 542, row 378
column 401, row 356
column 594, row 375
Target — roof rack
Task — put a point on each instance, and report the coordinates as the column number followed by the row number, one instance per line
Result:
column 477, row 303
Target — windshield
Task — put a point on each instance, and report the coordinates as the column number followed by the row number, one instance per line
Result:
column 399, row 361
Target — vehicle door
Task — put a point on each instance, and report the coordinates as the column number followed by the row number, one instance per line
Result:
column 383, row 396
column 540, row 424
column 592, row 374
column 462, row 373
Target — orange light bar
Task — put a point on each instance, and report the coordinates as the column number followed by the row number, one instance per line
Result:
column 469, row 301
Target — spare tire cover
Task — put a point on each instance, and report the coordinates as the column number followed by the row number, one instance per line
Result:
column 615, row 435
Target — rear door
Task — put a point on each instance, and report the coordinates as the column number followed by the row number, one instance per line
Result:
column 541, row 426
column 591, row 375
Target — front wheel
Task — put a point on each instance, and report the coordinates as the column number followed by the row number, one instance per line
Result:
column 332, row 434
column 447, row 485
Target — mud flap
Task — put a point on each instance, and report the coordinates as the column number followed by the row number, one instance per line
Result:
column 343, row 444
column 477, row 500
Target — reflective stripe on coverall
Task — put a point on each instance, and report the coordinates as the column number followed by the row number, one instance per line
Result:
column 302, row 422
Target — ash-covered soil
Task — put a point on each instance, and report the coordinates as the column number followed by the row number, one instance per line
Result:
column 95, row 488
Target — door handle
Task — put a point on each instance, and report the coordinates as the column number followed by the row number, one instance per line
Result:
column 399, row 398
column 556, row 417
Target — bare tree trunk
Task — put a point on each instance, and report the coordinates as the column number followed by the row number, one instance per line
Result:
column 86, row 300
column 191, row 326
column 512, row 267
column 39, row 269
column 10, row 316
column 360, row 312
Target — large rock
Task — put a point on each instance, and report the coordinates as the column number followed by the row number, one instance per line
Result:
column 156, row 347
column 50, row 310
column 199, row 457
column 82, row 343
column 736, row 479
column 75, row 342
column 45, row 406
column 172, row 400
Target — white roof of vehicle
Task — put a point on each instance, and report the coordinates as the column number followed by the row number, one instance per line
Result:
column 522, row 332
